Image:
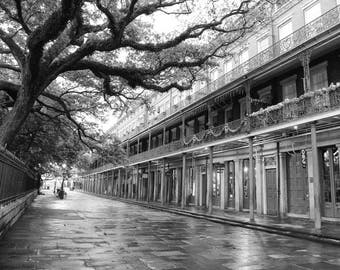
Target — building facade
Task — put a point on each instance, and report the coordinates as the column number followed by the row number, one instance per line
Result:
column 262, row 135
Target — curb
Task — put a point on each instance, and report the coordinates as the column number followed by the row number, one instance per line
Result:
column 232, row 222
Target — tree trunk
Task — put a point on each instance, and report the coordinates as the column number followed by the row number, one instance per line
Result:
column 15, row 118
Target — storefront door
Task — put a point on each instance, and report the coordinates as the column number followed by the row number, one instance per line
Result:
column 271, row 191
column 246, row 184
column 330, row 180
column 230, row 188
column 218, row 176
column 297, row 184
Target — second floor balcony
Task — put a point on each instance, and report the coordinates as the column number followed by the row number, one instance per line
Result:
column 281, row 49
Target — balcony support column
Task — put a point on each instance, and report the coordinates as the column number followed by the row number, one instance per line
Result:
column 251, row 181
column 226, row 185
column 149, row 144
column 149, row 193
column 184, row 181
column 183, row 128
column 210, row 116
column 162, row 183
column 316, row 179
column 138, row 145
column 155, row 184
column 197, row 184
column 119, row 182
column 178, row 183
column 128, row 148
column 127, row 184
column 305, row 60
column 247, row 87
column 137, row 183
column 164, row 131
column 210, row 180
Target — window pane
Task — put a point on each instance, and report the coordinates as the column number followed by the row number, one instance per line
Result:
column 285, row 29
column 319, row 78
column 262, row 44
column 244, row 56
column 336, row 175
column 312, row 13
column 228, row 66
column 289, row 90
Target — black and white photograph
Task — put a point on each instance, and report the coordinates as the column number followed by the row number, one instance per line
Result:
column 170, row 134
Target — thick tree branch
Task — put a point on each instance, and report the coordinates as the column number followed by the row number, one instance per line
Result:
column 11, row 89
column 15, row 49
column 7, row 66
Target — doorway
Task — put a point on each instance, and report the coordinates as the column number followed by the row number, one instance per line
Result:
column 297, row 184
column 330, row 179
column 271, row 189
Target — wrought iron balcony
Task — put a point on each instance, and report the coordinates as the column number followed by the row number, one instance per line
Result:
column 309, row 31
column 311, row 103
column 212, row 134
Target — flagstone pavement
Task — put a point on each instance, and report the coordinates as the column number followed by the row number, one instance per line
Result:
column 88, row 232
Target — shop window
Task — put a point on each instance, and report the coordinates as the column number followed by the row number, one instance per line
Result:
column 289, row 87
column 312, row 12
column 318, row 76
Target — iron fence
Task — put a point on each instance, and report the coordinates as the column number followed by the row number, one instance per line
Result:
column 15, row 178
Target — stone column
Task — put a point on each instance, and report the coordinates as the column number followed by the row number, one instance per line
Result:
column 184, row 181
column 210, row 180
column 316, row 178
column 251, row 181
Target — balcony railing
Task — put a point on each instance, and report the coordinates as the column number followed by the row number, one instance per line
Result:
column 300, row 36
column 314, row 102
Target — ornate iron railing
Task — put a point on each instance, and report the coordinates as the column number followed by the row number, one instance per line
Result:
column 15, row 178
column 314, row 102
column 214, row 133
column 311, row 30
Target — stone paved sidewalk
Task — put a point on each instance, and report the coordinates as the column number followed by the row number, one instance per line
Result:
column 89, row 232
column 296, row 227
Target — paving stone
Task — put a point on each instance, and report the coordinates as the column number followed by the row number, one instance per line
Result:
column 106, row 234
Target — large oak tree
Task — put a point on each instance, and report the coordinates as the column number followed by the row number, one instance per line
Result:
column 103, row 50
